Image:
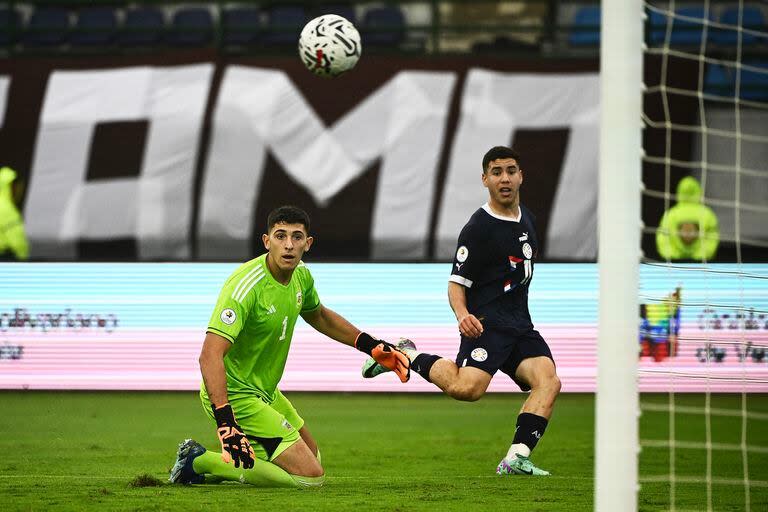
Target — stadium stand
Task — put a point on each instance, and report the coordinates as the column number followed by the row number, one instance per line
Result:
column 586, row 27
column 717, row 81
column 47, row 27
column 567, row 28
column 752, row 19
column 344, row 10
column 10, row 25
column 754, row 83
column 383, row 26
column 191, row 27
column 95, row 26
column 684, row 33
column 284, row 22
column 142, row 26
column 241, row 25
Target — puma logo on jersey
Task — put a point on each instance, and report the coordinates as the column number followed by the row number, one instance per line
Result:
column 271, row 309
column 524, row 237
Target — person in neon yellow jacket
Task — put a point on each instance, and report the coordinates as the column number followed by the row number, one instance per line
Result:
column 12, row 235
column 689, row 230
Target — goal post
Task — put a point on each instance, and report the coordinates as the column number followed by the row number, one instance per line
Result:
column 619, row 232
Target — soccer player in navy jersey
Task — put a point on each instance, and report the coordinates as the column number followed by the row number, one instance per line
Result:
column 488, row 292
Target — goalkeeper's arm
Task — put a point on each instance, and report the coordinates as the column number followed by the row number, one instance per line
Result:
column 212, row 367
column 234, row 445
column 333, row 325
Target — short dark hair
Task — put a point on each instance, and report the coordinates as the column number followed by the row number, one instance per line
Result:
column 289, row 215
column 497, row 152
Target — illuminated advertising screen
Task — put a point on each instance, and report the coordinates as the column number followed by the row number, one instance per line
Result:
column 141, row 325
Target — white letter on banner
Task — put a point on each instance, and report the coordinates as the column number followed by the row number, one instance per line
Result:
column 5, row 83
column 156, row 207
column 494, row 106
column 403, row 122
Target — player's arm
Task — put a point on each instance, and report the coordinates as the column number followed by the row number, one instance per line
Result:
column 211, row 361
column 234, row 445
column 470, row 258
column 332, row 324
column 335, row 326
column 469, row 325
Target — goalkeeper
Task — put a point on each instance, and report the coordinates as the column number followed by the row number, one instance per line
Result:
column 264, row 441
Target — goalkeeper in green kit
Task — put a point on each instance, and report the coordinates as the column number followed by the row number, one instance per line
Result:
column 264, row 441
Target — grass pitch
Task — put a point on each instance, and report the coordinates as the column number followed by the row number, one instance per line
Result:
column 109, row 451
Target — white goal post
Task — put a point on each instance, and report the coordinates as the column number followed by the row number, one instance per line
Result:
column 619, row 232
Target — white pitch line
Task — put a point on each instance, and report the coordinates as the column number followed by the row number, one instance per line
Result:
column 331, row 477
column 84, row 477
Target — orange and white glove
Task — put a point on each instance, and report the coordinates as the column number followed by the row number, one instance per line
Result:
column 386, row 354
column 234, row 445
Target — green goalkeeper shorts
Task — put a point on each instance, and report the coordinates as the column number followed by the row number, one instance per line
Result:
column 271, row 428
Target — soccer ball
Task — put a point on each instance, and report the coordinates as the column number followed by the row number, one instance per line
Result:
column 329, row 45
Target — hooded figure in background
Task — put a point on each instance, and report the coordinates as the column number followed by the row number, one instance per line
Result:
column 12, row 235
column 689, row 230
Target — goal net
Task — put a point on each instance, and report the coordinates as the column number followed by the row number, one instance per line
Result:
column 703, row 277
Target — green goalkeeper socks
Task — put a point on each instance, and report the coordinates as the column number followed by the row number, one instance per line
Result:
column 263, row 474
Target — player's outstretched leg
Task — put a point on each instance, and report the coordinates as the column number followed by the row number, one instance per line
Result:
column 371, row 368
column 182, row 471
column 519, row 465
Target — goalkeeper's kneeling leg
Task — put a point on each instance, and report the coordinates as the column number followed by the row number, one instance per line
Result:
column 306, row 482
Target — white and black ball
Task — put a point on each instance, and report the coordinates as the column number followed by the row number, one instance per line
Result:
column 329, row 45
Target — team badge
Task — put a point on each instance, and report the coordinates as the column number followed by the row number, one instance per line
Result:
column 299, row 299
column 527, row 251
column 462, row 254
column 479, row 354
column 228, row 316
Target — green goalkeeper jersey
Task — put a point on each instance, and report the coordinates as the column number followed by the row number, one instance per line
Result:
column 257, row 315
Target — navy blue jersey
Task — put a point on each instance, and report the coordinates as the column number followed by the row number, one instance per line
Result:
column 494, row 261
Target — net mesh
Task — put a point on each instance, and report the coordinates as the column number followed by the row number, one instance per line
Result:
column 704, row 313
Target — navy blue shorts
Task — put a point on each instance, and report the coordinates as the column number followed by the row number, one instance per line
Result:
column 502, row 349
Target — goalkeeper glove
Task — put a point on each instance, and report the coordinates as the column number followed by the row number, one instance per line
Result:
column 386, row 354
column 234, row 445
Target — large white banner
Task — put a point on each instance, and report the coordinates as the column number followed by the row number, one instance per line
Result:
column 402, row 122
column 493, row 107
column 428, row 181
column 155, row 208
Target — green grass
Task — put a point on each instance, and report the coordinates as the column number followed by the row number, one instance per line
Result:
column 725, row 465
column 106, row 451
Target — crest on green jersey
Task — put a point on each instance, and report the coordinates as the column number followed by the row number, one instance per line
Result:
column 228, row 316
column 299, row 299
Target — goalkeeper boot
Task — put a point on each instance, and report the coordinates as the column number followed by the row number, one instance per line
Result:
column 371, row 368
column 519, row 466
column 182, row 471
